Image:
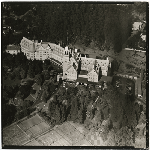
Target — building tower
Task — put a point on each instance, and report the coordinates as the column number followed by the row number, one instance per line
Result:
column 65, row 62
column 32, row 50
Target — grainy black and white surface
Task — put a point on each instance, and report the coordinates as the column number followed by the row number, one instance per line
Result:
column 74, row 74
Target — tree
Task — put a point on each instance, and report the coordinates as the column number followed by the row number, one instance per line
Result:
column 11, row 90
column 74, row 109
column 62, row 112
column 46, row 75
column 111, row 138
column 8, row 114
column 37, row 66
column 50, row 68
column 44, row 97
column 45, row 66
column 8, row 60
column 39, row 79
column 131, row 115
column 105, row 111
column 32, row 91
column 31, row 71
column 19, row 59
column 24, row 91
column 57, row 115
column 51, row 108
column 124, row 137
column 80, row 115
column 23, row 73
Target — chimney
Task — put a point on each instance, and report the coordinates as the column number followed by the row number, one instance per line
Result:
column 85, row 56
column 66, row 48
column 41, row 41
column 93, row 66
column 80, row 56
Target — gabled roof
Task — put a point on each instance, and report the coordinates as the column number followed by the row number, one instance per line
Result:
column 93, row 71
column 44, row 44
column 83, row 72
column 27, row 43
column 71, row 68
column 92, row 55
column 36, row 87
column 31, row 98
column 102, row 62
column 82, row 80
column 13, row 47
column 40, row 48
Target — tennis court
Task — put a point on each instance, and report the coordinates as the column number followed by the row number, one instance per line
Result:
column 83, row 143
column 12, row 131
column 63, row 142
column 79, row 127
column 13, row 135
column 63, row 135
column 55, row 135
column 33, row 143
column 20, row 139
column 66, row 128
column 26, row 124
column 46, row 139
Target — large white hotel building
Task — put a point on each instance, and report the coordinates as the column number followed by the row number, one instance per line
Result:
column 65, row 58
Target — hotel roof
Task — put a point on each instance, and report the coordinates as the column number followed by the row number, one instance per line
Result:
column 83, row 72
column 30, row 98
column 13, row 47
column 35, row 86
column 82, row 80
column 45, row 44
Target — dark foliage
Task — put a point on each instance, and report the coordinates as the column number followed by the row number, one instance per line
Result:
column 8, row 114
